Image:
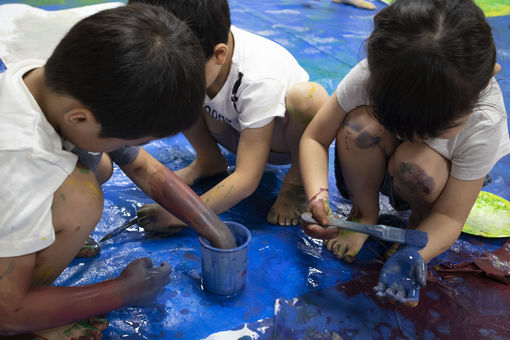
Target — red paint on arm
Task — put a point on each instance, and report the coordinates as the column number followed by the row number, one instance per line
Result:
column 169, row 191
column 25, row 309
column 47, row 307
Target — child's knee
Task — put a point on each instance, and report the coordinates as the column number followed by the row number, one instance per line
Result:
column 303, row 100
column 418, row 174
column 78, row 201
column 361, row 130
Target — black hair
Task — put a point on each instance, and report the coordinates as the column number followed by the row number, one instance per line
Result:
column 428, row 60
column 138, row 69
column 208, row 19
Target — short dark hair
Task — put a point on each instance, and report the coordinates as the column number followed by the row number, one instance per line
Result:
column 208, row 19
column 428, row 60
column 138, row 68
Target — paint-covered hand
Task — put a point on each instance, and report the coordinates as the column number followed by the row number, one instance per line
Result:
column 141, row 282
column 155, row 218
column 402, row 276
column 319, row 207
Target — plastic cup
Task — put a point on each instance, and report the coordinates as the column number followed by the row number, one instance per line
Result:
column 224, row 270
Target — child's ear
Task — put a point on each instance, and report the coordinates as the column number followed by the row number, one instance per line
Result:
column 220, row 53
column 79, row 116
column 497, row 68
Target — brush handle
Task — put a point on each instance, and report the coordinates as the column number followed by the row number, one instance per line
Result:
column 120, row 229
column 380, row 231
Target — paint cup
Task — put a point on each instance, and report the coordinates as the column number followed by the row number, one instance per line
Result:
column 224, row 270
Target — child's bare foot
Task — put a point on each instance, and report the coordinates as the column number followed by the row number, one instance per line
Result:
column 91, row 329
column 290, row 203
column 357, row 3
column 199, row 170
column 155, row 218
column 346, row 245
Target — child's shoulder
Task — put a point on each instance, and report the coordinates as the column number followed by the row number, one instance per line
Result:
column 490, row 106
column 31, row 32
column 14, row 94
column 21, row 117
column 261, row 59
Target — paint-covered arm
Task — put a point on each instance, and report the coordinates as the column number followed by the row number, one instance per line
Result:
column 252, row 153
column 314, row 162
column 170, row 192
column 25, row 308
column 405, row 271
column 448, row 215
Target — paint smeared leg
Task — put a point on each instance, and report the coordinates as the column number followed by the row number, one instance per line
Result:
column 155, row 218
column 200, row 170
column 357, row 3
column 302, row 102
column 90, row 329
column 89, row 249
column 290, row 203
column 346, row 245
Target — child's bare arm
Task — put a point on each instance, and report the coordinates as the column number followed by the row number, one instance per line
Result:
column 169, row 191
column 313, row 156
column 405, row 271
column 252, row 153
column 25, row 308
column 448, row 215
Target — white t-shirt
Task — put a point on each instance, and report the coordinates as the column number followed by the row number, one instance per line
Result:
column 28, row 32
column 474, row 151
column 32, row 166
column 268, row 70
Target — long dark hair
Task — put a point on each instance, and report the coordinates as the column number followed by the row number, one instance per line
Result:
column 429, row 60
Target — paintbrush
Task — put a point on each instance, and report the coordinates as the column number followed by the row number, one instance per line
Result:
column 415, row 238
column 120, row 229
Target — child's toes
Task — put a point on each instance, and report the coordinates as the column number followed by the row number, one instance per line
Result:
column 337, row 247
column 351, row 253
column 346, row 245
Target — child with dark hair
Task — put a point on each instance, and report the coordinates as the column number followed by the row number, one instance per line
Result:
column 121, row 77
column 422, row 120
column 258, row 104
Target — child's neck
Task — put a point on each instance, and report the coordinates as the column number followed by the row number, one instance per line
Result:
column 45, row 98
column 218, row 83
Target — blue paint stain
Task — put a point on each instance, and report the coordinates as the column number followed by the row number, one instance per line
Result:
column 444, row 327
column 433, row 313
column 2, row 66
column 428, row 335
column 433, row 295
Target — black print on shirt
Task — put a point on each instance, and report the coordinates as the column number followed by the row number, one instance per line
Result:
column 213, row 113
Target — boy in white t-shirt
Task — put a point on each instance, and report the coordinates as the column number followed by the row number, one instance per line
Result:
column 258, row 104
column 111, row 82
column 423, row 121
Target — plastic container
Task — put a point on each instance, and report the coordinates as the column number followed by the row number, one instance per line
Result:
column 224, row 270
